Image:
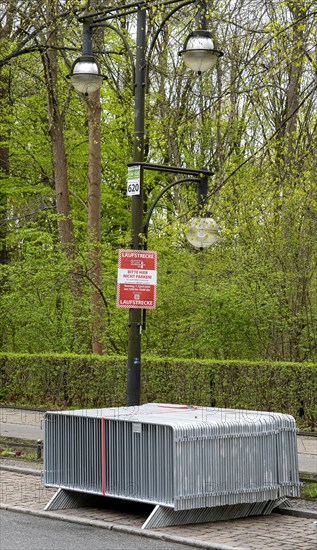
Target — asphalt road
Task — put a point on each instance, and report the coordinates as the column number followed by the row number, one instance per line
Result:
column 28, row 532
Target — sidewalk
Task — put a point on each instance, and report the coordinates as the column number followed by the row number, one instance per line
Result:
column 26, row 493
column 23, row 492
column 21, row 423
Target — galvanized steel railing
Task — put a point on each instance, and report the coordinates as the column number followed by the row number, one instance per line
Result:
column 176, row 456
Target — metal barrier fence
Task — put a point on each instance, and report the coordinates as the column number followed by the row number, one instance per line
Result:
column 180, row 457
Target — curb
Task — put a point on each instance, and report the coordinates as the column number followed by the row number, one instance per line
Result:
column 122, row 529
column 23, row 408
column 296, row 512
column 17, row 470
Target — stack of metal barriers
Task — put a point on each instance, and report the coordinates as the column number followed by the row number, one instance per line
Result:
column 193, row 464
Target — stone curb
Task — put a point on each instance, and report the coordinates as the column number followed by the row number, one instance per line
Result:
column 17, row 470
column 121, row 528
column 296, row 512
column 23, row 408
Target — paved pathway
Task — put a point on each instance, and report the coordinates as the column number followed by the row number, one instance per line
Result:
column 307, row 454
column 275, row 532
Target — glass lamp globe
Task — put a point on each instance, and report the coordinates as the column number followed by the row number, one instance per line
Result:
column 202, row 232
column 85, row 75
column 199, row 53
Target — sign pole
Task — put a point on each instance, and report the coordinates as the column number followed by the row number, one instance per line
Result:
column 135, row 321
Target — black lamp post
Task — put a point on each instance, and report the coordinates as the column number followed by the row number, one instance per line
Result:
column 200, row 55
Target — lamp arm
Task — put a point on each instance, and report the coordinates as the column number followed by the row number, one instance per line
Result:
column 155, row 37
column 166, row 18
column 127, row 7
column 124, row 40
column 87, row 38
column 154, row 203
column 201, row 23
column 153, row 42
column 148, row 218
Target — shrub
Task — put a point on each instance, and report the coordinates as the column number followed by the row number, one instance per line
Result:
column 85, row 381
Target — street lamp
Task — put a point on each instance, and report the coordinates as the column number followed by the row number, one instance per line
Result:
column 86, row 75
column 199, row 55
column 194, row 234
column 202, row 230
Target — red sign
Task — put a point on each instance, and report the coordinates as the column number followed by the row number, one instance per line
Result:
column 136, row 286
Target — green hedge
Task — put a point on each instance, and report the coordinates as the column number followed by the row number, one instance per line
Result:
column 72, row 381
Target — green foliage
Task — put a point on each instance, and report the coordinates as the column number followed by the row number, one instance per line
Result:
column 309, row 490
column 252, row 121
column 62, row 380
column 76, row 381
column 36, row 305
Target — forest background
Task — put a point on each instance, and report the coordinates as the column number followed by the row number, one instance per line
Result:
column 63, row 161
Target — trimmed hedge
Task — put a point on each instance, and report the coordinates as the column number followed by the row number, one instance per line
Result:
column 77, row 381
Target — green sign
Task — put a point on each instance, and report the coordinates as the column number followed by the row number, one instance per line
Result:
column 133, row 182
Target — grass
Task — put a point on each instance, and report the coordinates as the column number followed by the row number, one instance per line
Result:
column 309, row 490
column 20, row 454
column 21, row 449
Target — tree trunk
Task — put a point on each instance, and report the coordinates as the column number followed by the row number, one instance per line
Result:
column 63, row 208
column 6, row 29
column 4, row 169
column 65, row 224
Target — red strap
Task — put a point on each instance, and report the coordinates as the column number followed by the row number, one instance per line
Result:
column 177, row 407
column 103, row 457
